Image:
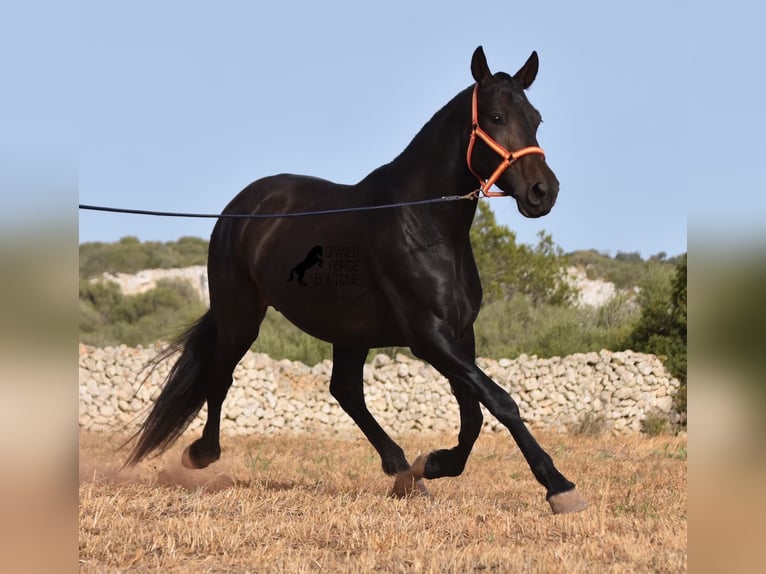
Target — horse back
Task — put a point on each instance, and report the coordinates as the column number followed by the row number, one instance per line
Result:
column 351, row 277
column 318, row 270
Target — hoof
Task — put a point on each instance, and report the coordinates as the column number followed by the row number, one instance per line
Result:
column 187, row 461
column 410, row 482
column 197, row 455
column 566, row 502
column 192, row 463
column 405, row 485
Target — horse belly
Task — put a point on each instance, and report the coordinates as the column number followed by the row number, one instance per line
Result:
column 339, row 320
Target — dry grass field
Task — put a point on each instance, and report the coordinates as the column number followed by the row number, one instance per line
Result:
column 312, row 504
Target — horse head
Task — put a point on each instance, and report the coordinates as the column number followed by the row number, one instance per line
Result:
column 506, row 123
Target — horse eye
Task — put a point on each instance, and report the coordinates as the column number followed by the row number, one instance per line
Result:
column 496, row 119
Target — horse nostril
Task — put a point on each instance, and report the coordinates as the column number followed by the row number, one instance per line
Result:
column 538, row 192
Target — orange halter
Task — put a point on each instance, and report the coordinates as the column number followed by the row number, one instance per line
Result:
column 508, row 157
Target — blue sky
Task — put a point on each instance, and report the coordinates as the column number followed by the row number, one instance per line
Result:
column 182, row 104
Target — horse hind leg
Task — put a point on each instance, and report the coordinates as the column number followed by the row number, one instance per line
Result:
column 451, row 462
column 183, row 393
column 235, row 335
column 347, row 386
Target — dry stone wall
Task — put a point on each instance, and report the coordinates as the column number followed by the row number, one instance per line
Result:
column 269, row 396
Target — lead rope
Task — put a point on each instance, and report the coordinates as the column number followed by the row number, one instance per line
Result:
column 445, row 198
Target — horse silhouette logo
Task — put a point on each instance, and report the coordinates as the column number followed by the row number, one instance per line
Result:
column 313, row 257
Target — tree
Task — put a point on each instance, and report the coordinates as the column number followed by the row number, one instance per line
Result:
column 633, row 256
column 508, row 269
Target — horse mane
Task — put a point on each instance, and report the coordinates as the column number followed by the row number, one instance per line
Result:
column 460, row 103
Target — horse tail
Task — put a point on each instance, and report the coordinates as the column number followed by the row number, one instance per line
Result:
column 184, row 391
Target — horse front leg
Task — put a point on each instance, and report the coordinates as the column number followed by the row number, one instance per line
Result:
column 347, row 386
column 447, row 356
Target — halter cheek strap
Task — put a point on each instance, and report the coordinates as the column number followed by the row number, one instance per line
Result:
column 508, row 157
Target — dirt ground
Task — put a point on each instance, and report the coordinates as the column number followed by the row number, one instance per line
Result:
column 314, row 504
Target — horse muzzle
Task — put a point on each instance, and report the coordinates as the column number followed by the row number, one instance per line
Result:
column 538, row 199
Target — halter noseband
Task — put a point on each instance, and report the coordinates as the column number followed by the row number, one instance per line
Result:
column 509, row 157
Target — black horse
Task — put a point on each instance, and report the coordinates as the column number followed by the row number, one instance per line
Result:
column 415, row 281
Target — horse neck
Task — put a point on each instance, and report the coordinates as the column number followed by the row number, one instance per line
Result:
column 433, row 164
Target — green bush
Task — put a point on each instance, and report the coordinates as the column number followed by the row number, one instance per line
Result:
column 661, row 328
column 625, row 270
column 129, row 255
column 109, row 318
column 654, row 424
column 514, row 326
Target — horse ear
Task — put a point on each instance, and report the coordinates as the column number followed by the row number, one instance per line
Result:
column 479, row 68
column 528, row 72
